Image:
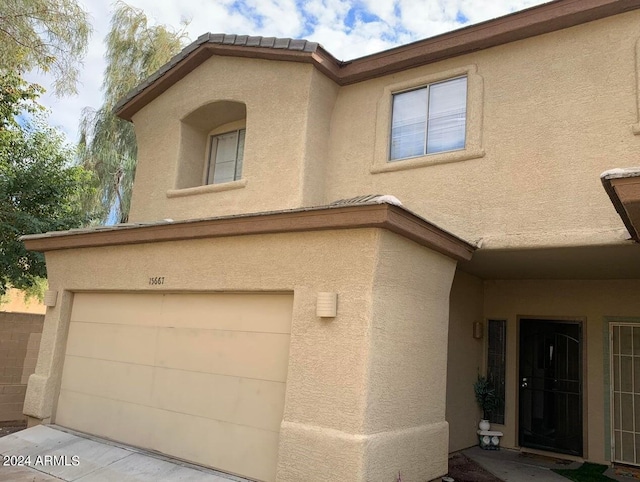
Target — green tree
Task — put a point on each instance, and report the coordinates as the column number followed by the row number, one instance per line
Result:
column 50, row 35
column 16, row 96
column 107, row 146
column 40, row 189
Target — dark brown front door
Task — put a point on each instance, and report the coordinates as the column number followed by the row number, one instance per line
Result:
column 551, row 386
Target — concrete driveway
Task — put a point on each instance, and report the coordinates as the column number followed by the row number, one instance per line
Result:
column 49, row 453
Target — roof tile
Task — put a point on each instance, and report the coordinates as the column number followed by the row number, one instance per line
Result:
column 241, row 39
column 267, row 41
column 297, row 44
column 229, row 39
column 281, row 43
column 253, row 41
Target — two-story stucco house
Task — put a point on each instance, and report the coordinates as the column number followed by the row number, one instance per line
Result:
column 264, row 316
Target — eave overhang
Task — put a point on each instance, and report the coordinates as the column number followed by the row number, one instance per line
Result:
column 545, row 18
column 384, row 216
column 623, row 188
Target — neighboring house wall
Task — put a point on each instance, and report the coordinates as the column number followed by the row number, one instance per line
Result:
column 20, row 335
column 17, row 302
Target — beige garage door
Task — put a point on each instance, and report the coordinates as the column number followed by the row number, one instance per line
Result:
column 197, row 376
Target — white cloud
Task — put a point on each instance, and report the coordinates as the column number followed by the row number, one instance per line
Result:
column 347, row 28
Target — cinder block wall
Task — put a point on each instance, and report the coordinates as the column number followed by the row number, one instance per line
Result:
column 20, row 335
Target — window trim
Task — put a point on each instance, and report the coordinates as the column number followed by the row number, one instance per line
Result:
column 190, row 191
column 210, row 160
column 473, row 129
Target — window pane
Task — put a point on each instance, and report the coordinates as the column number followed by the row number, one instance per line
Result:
column 225, row 158
column 408, row 124
column 497, row 344
column 240, row 155
column 447, row 115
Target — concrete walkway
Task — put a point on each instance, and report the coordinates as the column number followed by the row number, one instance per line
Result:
column 513, row 466
column 51, row 454
column 516, row 466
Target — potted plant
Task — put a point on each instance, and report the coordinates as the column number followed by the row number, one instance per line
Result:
column 487, row 400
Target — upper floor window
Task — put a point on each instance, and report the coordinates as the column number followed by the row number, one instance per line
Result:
column 429, row 120
column 212, row 146
column 226, row 153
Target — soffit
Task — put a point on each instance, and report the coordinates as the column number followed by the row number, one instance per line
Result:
column 534, row 21
column 367, row 215
column 617, row 261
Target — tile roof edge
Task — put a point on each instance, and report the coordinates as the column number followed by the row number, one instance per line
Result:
column 226, row 40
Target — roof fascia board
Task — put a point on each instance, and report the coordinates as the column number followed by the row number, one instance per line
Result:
column 625, row 196
column 383, row 216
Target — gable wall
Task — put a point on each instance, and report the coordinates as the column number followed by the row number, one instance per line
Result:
column 275, row 94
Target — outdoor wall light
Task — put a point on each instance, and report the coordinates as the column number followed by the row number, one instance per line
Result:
column 478, row 330
column 327, row 305
column 50, row 298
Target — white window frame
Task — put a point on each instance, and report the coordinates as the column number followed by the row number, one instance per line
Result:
column 473, row 127
column 210, row 164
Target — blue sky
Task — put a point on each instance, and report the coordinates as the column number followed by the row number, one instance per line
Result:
column 348, row 29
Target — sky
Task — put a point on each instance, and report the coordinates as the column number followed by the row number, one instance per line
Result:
column 346, row 28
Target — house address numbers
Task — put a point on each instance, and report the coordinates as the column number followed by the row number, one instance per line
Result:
column 156, row 280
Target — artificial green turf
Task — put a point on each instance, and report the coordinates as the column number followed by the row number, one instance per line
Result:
column 586, row 473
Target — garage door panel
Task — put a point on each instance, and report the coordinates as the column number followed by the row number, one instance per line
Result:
column 116, row 420
column 233, row 448
column 155, row 309
column 108, row 379
column 255, row 403
column 263, row 356
column 132, row 344
column 119, row 308
column 233, row 312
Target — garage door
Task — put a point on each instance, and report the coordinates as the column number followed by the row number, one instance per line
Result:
column 196, row 376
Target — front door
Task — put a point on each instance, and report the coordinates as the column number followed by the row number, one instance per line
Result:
column 551, row 386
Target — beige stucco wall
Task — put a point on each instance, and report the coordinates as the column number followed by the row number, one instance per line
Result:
column 365, row 391
column 315, row 158
column 558, row 110
column 405, row 399
column 590, row 300
column 546, row 116
column 281, row 137
column 465, row 360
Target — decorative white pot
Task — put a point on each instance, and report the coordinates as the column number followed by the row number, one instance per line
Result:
column 484, row 425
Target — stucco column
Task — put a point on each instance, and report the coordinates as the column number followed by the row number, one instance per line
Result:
column 373, row 404
column 43, row 385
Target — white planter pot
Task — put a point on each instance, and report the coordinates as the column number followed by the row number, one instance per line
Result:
column 484, row 425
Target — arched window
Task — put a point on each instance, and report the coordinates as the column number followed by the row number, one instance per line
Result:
column 212, row 145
